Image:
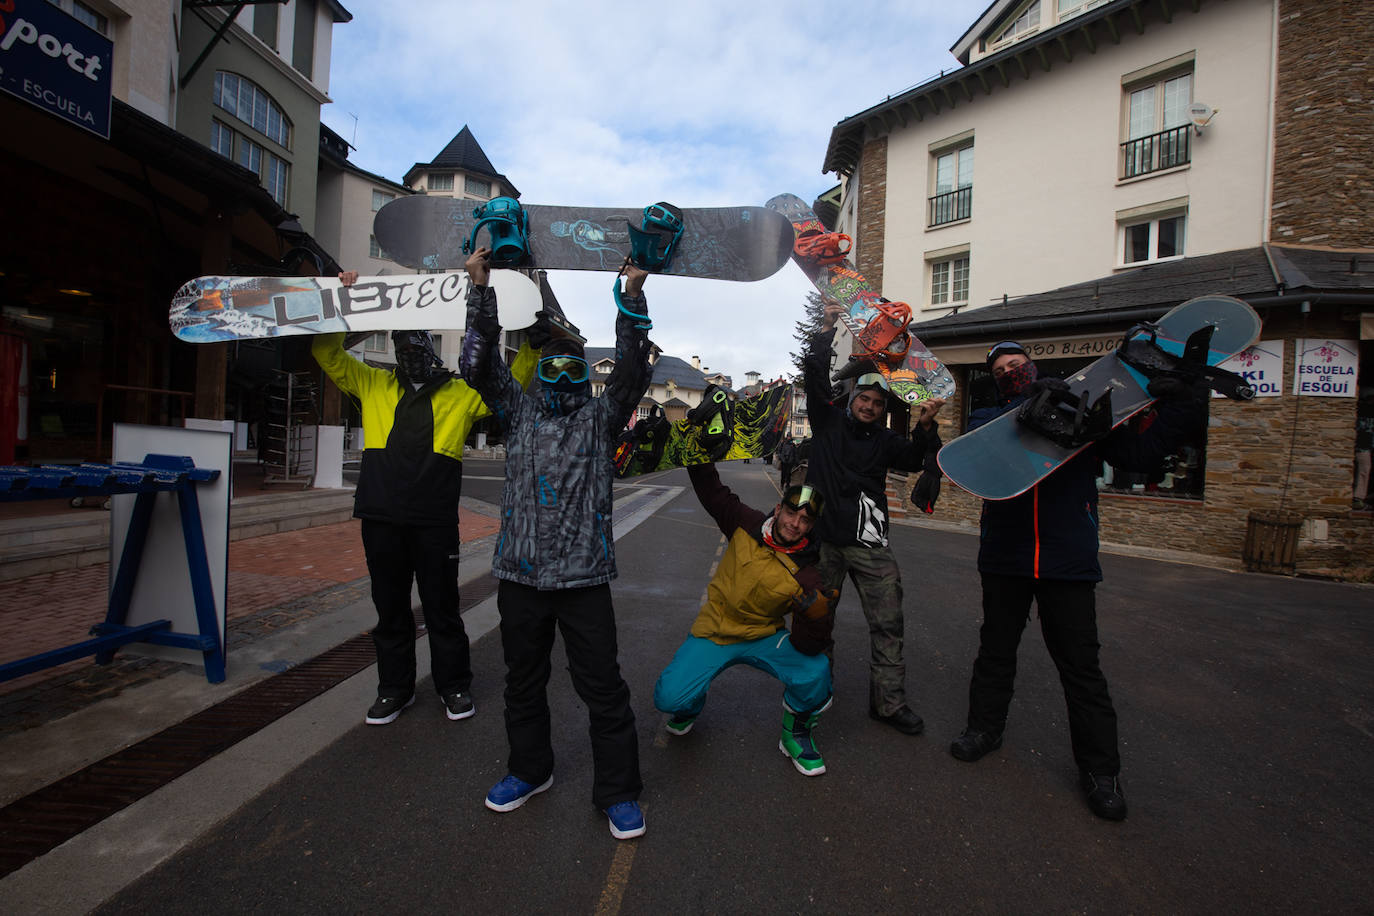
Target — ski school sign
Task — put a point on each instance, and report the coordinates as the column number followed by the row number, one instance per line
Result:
column 56, row 63
column 1262, row 367
column 1326, row 368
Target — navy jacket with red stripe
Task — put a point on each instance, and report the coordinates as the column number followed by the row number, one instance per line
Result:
column 1050, row 531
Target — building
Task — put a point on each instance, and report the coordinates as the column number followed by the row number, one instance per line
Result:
column 116, row 198
column 1131, row 155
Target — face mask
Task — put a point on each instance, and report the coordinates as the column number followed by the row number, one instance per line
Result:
column 416, row 365
column 1014, row 381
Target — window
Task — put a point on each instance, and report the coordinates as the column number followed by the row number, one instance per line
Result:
column 376, row 343
column 1152, row 240
column 275, row 178
column 1156, row 123
column 1024, row 24
column 953, row 186
column 244, row 100
column 441, row 182
column 375, row 250
column 84, row 14
column 949, row 281
column 380, row 199
column 477, row 187
column 221, row 139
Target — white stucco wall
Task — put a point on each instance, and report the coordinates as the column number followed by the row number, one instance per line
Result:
column 1045, row 189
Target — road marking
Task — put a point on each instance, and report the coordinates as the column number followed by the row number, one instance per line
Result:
column 616, row 879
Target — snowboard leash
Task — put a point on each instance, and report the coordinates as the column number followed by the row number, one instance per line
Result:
column 642, row 321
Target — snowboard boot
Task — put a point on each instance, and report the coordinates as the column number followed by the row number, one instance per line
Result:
column 797, row 741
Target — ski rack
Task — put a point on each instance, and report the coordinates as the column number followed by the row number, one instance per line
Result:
column 156, row 474
column 653, row 241
column 509, row 227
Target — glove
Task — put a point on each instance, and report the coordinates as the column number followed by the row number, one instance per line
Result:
column 926, row 491
column 814, row 605
column 541, row 332
column 1167, row 388
column 1049, row 383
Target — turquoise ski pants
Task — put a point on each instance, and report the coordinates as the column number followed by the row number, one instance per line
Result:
column 681, row 688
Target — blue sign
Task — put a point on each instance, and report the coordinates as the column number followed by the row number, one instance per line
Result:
column 56, row 63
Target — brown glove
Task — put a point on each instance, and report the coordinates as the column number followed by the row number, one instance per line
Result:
column 814, row 605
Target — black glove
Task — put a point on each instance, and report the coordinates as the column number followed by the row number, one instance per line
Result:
column 926, row 491
column 1168, row 388
column 541, row 332
column 1049, row 383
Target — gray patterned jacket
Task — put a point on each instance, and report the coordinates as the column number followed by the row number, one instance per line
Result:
column 556, row 505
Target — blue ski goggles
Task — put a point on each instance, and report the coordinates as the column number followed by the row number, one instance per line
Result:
column 572, row 368
column 804, row 497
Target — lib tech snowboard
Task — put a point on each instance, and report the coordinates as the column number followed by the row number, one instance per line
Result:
column 719, row 243
column 216, row 309
column 1007, row 456
column 879, row 327
column 718, row 429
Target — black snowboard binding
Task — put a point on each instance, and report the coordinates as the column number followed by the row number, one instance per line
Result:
column 715, row 416
column 653, row 241
column 650, row 439
column 1067, row 419
column 1141, row 351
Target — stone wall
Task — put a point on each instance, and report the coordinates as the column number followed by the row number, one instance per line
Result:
column 872, row 210
column 1324, row 124
column 1249, row 445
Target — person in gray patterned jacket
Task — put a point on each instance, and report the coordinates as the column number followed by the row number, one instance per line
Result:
column 555, row 555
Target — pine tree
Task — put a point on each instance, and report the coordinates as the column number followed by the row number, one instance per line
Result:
column 808, row 327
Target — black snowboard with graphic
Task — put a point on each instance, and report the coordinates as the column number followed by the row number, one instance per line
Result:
column 718, row 243
column 720, row 428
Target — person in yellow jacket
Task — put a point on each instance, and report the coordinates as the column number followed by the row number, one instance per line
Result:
column 768, row 571
column 415, row 420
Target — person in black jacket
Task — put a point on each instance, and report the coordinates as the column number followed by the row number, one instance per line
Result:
column 1042, row 546
column 851, row 452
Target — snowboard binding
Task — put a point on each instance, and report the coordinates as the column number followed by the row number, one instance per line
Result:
column 714, row 416
column 1065, row 418
column 884, row 338
column 653, row 241
column 507, row 223
column 641, row 447
column 1141, row 351
column 822, row 248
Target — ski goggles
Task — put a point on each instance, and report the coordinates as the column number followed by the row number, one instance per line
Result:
column 871, row 380
column 572, row 368
column 804, row 497
column 1005, row 347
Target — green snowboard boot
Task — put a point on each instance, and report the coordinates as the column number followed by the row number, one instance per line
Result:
column 796, row 741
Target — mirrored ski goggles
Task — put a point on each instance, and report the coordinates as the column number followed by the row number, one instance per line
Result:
column 573, row 368
column 871, row 380
column 804, row 496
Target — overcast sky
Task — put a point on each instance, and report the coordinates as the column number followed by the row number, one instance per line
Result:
column 701, row 103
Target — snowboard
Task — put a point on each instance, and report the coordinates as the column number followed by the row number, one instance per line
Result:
column 718, row 243
column 915, row 376
column 720, row 428
column 215, row 309
column 1006, row 457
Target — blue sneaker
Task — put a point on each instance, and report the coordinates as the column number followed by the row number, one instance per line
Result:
column 512, row 792
column 627, row 821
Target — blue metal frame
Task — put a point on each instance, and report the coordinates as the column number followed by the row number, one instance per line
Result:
column 157, row 474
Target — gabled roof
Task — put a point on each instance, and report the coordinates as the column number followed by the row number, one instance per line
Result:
column 463, row 153
column 1265, row 276
column 668, row 368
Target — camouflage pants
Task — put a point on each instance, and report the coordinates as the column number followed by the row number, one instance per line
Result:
column 879, row 583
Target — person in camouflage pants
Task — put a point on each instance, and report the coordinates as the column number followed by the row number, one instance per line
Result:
column 851, row 452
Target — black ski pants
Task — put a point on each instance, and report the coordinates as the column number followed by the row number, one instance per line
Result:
column 1068, row 621
column 586, row 618
column 428, row 555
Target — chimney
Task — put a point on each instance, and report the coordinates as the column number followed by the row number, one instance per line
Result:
column 696, row 363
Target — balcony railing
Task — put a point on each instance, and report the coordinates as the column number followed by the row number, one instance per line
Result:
column 951, row 206
column 1163, row 150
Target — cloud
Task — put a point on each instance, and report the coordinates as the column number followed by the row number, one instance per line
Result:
column 708, row 103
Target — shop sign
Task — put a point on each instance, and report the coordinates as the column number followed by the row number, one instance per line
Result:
column 1326, row 368
column 1262, row 367
column 56, row 63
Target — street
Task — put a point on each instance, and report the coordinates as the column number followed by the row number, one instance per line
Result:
column 1246, row 705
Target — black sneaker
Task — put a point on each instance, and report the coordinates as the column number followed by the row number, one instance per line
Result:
column 974, row 745
column 1104, row 796
column 458, row 705
column 904, row 720
column 386, row 709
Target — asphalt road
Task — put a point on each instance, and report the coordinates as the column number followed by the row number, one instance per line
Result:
column 1246, row 705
